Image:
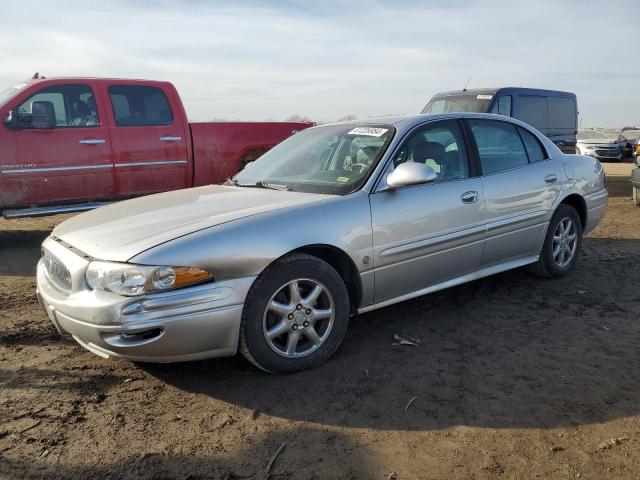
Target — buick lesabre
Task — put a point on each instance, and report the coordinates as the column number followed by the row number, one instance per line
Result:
column 335, row 221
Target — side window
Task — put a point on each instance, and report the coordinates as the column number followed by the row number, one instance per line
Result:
column 139, row 105
column 69, row 106
column 532, row 144
column 502, row 106
column 441, row 146
column 562, row 113
column 499, row 146
column 532, row 110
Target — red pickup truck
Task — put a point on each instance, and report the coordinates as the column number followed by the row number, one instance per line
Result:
column 72, row 144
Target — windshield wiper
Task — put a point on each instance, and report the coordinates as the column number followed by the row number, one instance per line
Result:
column 261, row 184
column 273, row 186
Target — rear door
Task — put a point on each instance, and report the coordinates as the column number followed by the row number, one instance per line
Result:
column 66, row 160
column 150, row 139
column 520, row 185
column 427, row 234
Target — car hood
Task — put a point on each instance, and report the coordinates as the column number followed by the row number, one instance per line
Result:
column 597, row 141
column 122, row 230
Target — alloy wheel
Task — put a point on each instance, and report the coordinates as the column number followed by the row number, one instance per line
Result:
column 565, row 242
column 298, row 318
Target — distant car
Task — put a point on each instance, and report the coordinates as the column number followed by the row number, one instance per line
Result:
column 628, row 141
column 596, row 144
column 337, row 220
column 552, row 112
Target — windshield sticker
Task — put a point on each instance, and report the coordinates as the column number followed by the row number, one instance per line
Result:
column 485, row 97
column 342, row 179
column 368, row 131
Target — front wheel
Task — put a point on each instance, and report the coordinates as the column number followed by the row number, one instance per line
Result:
column 636, row 196
column 295, row 315
column 561, row 245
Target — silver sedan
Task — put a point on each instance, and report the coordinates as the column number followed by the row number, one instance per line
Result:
column 335, row 221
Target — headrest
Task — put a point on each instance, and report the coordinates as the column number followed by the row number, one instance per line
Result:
column 428, row 150
column 42, row 107
column 367, row 155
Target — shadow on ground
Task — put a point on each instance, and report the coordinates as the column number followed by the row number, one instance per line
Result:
column 571, row 357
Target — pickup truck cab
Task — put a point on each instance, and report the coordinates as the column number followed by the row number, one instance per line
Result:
column 72, row 144
column 552, row 112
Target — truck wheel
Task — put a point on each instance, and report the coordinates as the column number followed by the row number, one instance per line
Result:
column 561, row 244
column 295, row 315
column 636, row 196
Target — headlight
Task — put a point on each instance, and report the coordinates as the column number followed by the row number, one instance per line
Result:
column 130, row 280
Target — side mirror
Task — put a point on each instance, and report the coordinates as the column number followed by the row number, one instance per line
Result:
column 411, row 173
column 11, row 120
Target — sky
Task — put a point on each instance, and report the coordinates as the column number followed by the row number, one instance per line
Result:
column 258, row 60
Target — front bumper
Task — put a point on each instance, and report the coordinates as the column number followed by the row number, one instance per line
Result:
column 187, row 324
column 635, row 177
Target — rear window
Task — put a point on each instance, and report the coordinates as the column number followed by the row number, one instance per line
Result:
column 533, row 110
column 562, row 113
column 139, row 105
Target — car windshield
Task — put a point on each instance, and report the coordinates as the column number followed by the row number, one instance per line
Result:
column 631, row 134
column 334, row 159
column 476, row 103
column 9, row 93
column 592, row 135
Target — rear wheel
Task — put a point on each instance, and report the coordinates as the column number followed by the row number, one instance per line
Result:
column 561, row 245
column 295, row 315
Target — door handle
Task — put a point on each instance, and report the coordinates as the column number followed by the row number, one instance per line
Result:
column 551, row 178
column 92, row 141
column 170, row 138
column 470, row 197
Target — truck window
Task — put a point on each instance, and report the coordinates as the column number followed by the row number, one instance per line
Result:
column 139, row 105
column 562, row 113
column 532, row 110
column 502, row 106
column 73, row 106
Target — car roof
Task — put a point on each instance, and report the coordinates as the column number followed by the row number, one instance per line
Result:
column 407, row 122
column 506, row 90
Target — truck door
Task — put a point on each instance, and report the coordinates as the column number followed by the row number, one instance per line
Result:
column 150, row 142
column 61, row 148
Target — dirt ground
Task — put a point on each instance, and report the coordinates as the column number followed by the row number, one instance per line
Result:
column 515, row 377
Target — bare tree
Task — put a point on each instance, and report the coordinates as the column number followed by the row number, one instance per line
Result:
column 297, row 118
column 347, row 118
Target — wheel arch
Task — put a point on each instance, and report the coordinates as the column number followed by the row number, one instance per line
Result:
column 576, row 201
column 343, row 264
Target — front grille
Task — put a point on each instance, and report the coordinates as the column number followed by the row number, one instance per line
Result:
column 58, row 273
column 608, row 152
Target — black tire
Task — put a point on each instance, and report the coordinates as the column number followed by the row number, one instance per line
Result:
column 547, row 266
column 253, row 342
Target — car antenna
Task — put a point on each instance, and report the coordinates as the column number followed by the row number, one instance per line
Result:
column 466, row 84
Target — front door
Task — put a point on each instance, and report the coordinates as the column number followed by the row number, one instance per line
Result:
column 64, row 153
column 427, row 234
column 150, row 144
column 520, row 187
